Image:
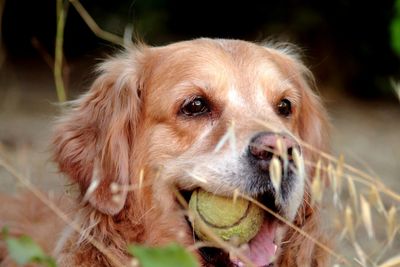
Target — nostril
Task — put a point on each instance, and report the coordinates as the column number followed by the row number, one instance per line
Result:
column 290, row 152
column 266, row 155
column 262, row 152
column 265, row 145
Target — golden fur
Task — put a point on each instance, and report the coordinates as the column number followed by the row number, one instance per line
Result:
column 126, row 125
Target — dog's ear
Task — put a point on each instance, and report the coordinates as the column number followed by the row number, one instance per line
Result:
column 314, row 126
column 313, row 123
column 94, row 140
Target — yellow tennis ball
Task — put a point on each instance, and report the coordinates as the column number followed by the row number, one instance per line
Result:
column 228, row 219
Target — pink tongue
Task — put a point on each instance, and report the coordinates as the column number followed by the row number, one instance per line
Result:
column 261, row 248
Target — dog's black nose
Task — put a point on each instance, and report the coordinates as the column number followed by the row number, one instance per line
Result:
column 263, row 146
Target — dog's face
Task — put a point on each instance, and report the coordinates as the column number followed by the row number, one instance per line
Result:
column 204, row 113
column 217, row 101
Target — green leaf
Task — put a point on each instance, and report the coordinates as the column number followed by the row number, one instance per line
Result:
column 4, row 232
column 169, row 256
column 395, row 34
column 24, row 250
column 397, row 6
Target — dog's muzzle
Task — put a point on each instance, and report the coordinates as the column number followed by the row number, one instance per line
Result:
column 262, row 148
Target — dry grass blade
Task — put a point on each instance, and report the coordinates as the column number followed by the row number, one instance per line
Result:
column 134, row 263
column 392, row 262
column 349, row 223
column 316, row 185
column 396, row 87
column 339, row 166
column 324, row 247
column 128, row 35
column 331, row 176
column 222, row 141
column 275, row 172
column 352, row 191
column 317, row 170
column 375, row 199
column 361, row 254
column 93, row 25
column 392, row 226
column 336, row 183
column 299, row 163
column 92, row 187
column 280, row 147
column 228, row 136
column 199, row 178
column 235, row 195
column 316, row 191
column 232, row 139
column 91, row 239
column 365, row 177
column 282, row 152
column 366, row 216
column 141, row 177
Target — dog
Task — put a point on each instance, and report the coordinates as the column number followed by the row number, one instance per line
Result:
column 205, row 113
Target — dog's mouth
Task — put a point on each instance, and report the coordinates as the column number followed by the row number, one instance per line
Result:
column 260, row 250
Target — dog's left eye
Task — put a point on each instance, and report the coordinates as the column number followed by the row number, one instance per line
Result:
column 284, row 108
column 194, row 107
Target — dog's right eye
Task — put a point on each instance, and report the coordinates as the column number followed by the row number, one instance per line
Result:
column 195, row 106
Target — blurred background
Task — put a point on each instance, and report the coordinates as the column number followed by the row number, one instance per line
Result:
column 352, row 47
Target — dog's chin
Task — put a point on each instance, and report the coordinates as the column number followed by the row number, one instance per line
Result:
column 260, row 250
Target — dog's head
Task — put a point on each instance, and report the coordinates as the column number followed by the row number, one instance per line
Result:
column 203, row 113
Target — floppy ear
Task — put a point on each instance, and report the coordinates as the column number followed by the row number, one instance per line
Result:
column 93, row 142
column 313, row 125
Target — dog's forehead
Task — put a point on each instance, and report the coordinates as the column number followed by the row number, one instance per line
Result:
column 218, row 57
column 237, row 71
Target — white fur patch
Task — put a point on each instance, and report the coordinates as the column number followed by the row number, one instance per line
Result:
column 235, row 98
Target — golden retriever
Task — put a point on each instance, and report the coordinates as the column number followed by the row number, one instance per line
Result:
column 155, row 120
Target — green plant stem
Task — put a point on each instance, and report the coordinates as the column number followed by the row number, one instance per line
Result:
column 58, row 61
column 112, row 38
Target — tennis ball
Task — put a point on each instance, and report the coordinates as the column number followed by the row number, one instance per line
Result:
column 228, row 219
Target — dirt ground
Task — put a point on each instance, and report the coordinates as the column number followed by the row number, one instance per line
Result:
column 366, row 133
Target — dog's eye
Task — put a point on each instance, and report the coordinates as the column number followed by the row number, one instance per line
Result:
column 194, row 107
column 284, row 108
